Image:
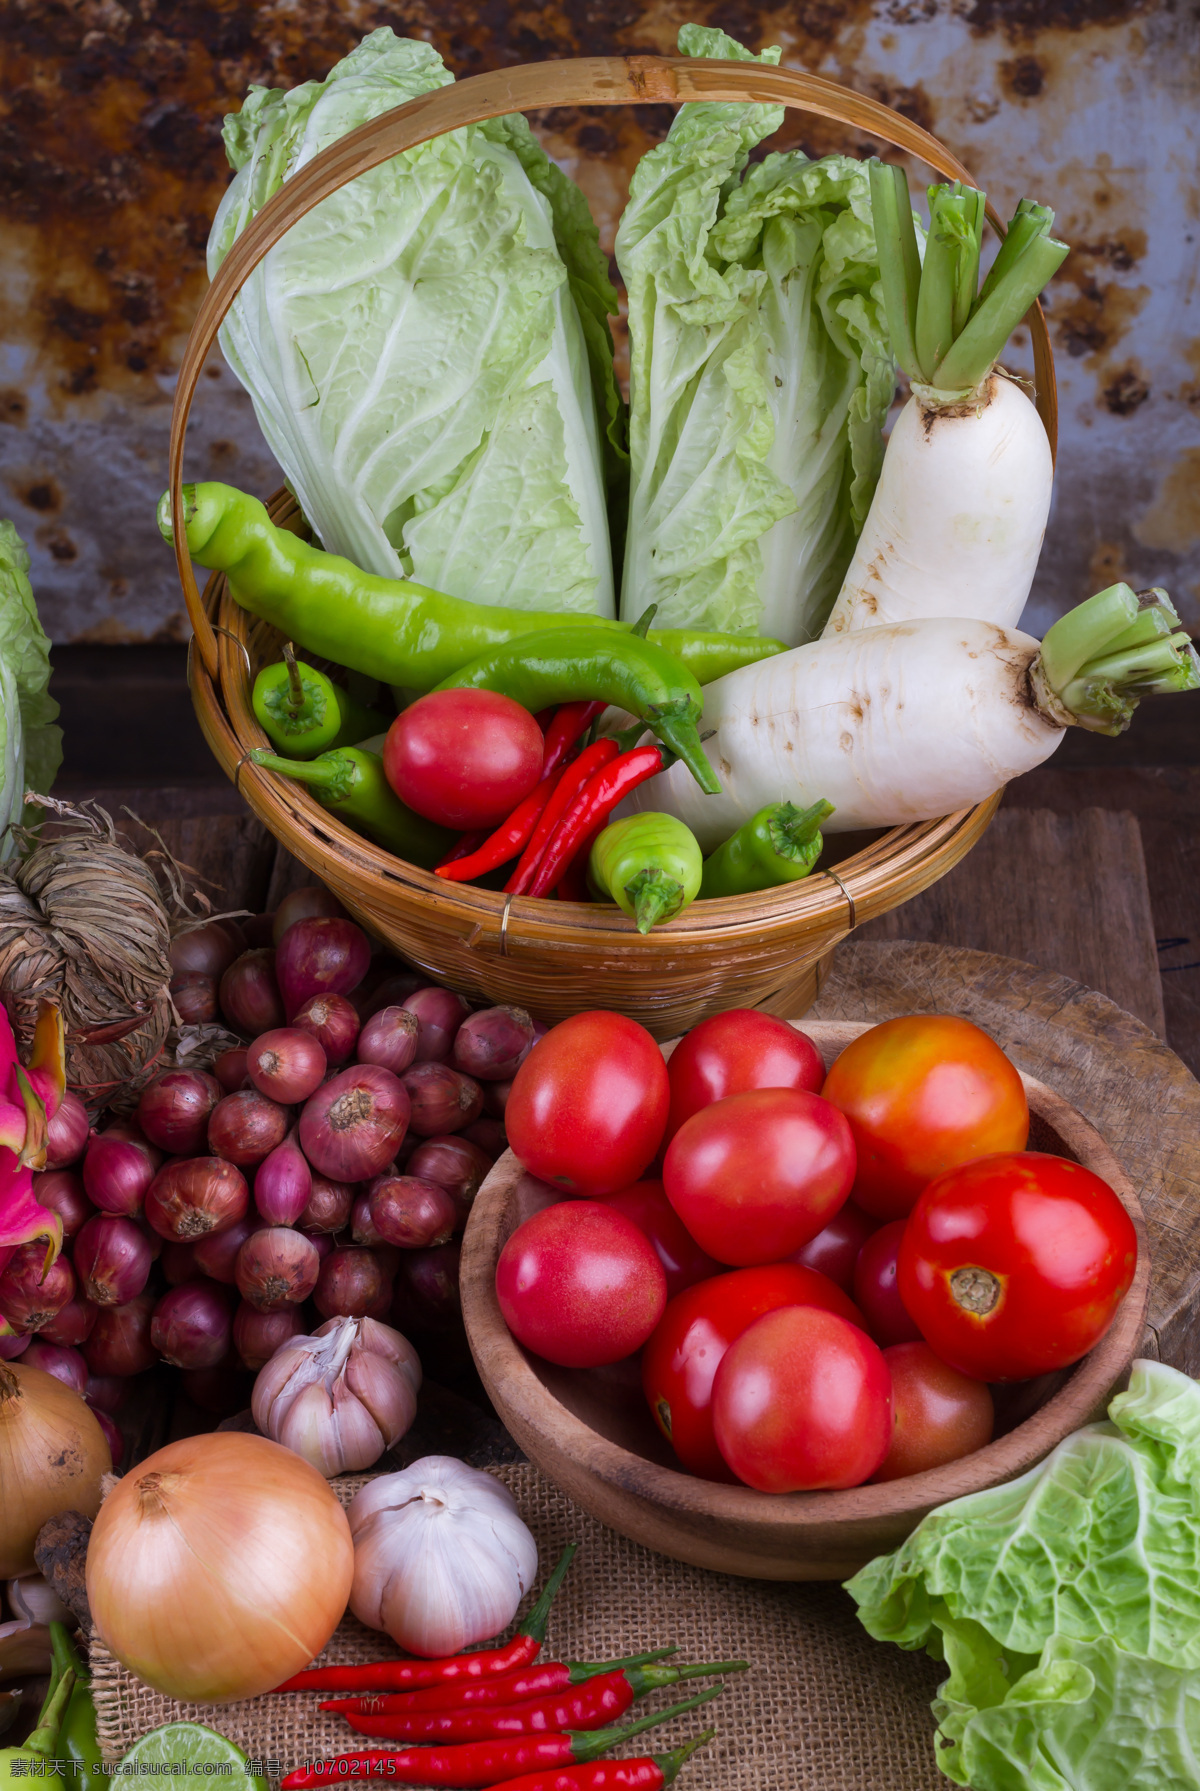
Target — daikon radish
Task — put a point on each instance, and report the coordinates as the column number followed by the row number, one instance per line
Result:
column 956, row 523
column 919, row 719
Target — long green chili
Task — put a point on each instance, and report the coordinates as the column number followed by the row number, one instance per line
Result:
column 77, row 1742
column 350, row 783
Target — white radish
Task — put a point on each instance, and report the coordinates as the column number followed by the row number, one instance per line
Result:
column 956, row 523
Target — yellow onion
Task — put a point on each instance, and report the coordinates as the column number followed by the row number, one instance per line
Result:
column 218, row 1567
column 52, row 1456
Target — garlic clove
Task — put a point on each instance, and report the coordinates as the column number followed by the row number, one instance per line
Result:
column 361, row 1439
column 382, row 1340
column 34, row 1600
column 309, row 1430
column 385, row 1391
column 24, row 1648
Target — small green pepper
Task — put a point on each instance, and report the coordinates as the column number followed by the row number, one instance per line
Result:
column 391, row 629
column 649, row 865
column 77, row 1741
column 350, row 783
column 779, row 844
column 303, row 712
column 39, row 1756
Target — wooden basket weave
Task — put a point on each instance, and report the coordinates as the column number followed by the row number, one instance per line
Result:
column 765, row 950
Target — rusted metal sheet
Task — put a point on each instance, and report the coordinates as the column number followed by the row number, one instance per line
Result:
column 111, row 167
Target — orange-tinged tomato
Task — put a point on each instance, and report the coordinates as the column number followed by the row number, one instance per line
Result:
column 923, row 1093
column 939, row 1415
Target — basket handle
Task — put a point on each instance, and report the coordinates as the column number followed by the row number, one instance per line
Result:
column 532, row 87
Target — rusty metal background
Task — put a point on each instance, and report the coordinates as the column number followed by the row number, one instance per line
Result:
column 111, row 167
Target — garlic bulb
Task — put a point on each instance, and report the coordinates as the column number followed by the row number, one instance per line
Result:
column 441, row 1557
column 340, row 1397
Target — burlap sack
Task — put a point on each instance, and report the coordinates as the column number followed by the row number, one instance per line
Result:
column 824, row 1708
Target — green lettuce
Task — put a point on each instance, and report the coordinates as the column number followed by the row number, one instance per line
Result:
column 30, row 743
column 760, row 370
column 1066, row 1606
column 428, row 351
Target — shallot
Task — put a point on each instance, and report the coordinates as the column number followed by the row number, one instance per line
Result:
column 195, row 997
column 230, row 1069
column 490, row 1044
column 120, row 1340
column 276, row 1267
column 440, row 1013
column 191, row 1326
column 340, row 1397
column 62, row 1192
column 311, row 902
column 67, row 1132
column 71, row 1324
column 249, row 994
column 118, row 1169
column 288, row 1064
column 66, row 1365
column 410, row 1213
column 427, row 1290
column 322, row 955
column 333, row 1021
column 174, row 1109
column 179, row 1262
column 352, row 1284
column 389, row 1038
column 112, row 1260
column 351, row 1127
column 454, row 1163
column 112, row 1436
column 216, row 1254
column 441, row 1100
column 191, row 1196
column 245, row 1127
column 330, row 1205
column 283, row 1183
column 257, row 1335
column 31, row 1293
column 207, row 950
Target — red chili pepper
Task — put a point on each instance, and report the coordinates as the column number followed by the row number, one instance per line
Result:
column 509, row 1688
column 572, row 781
column 592, row 1705
column 493, row 849
column 592, row 806
column 649, row 1773
column 479, row 1763
column 462, row 1669
column 569, row 725
column 462, row 848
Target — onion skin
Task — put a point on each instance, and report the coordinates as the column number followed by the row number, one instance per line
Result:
column 410, row 1213
column 61, row 1190
column 312, row 902
column 208, row 950
column 283, row 1183
column 441, row 1100
column 66, row 1365
column 192, row 1325
column 216, row 1254
column 174, row 1108
column 440, row 1013
column 118, row 1169
column 72, row 1324
column 351, row 1128
column 52, row 1456
column 249, row 994
column 322, row 955
column 257, row 1335
column 120, row 1340
column 490, row 1044
column 67, row 1132
column 30, row 1293
column 246, row 1127
column 230, row 1069
column 455, row 1164
column 277, row 1267
column 287, row 1065
column 389, row 1038
column 192, row 1196
column 333, row 1021
column 262, row 1520
column 352, row 1284
column 329, row 1208
column 112, row 1259
column 195, row 997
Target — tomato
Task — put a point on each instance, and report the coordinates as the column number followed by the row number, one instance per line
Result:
column 835, row 1250
column 939, row 1414
column 735, row 1051
column 1015, row 1265
column 755, row 1176
column 684, row 1262
column 923, row 1094
column 802, row 1400
column 587, row 1107
column 463, row 758
column 680, row 1360
column 580, row 1285
column 875, row 1289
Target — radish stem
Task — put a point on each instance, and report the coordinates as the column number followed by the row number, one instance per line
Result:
column 899, row 259
column 1100, row 658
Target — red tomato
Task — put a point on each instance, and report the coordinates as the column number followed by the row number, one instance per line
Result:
column 875, row 1289
column 755, row 1176
column 923, row 1094
column 684, row 1262
column 735, row 1051
column 680, row 1360
column 580, row 1285
column 588, row 1105
column 463, row 758
column 1015, row 1265
column 835, row 1250
column 802, row 1400
column 940, row 1415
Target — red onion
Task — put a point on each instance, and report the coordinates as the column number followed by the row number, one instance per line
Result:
column 333, row 1021
column 66, row 1365
column 362, row 1226
column 61, row 1191
column 330, row 1205
column 489, row 1135
column 154, row 1242
column 118, row 1169
column 352, row 1284
column 490, row 1044
column 389, row 1038
column 427, row 1295
column 257, row 1335
column 107, row 1392
column 323, row 955
column 174, row 1109
column 259, row 930
column 245, row 1127
column 16, row 1345
column 192, row 1196
column 440, row 1013
column 495, row 1098
column 195, row 997
column 249, row 994
column 277, row 1267
column 396, row 989
column 283, row 1183
column 440, row 1099
column 112, row 1436
column 230, row 1069
column 192, row 1325
column 112, row 1260
column 67, row 1132
column 313, row 902
column 208, row 950
column 221, row 1390
column 454, row 1164
column 71, row 1324
column 31, row 1293
column 351, row 1127
column 120, row 1340
column 216, row 1255
column 410, row 1213
column 288, row 1065
column 179, row 1262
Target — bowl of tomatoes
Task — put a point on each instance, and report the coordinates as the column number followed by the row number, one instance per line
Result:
column 762, row 1298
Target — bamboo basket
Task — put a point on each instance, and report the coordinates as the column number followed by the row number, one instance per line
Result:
column 769, row 950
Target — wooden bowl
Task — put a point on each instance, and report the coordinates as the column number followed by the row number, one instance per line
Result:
column 592, row 1435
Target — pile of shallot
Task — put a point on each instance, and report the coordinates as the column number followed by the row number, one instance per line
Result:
column 329, row 1164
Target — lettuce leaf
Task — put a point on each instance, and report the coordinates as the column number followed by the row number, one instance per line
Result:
column 30, row 742
column 423, row 350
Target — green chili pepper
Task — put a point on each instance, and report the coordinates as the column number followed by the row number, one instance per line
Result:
column 39, row 1755
column 566, row 665
column 777, row 845
column 391, row 629
column 77, row 1741
column 303, row 712
column 649, row 865
column 350, row 783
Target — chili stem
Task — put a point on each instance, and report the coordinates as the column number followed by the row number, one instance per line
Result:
column 295, row 686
